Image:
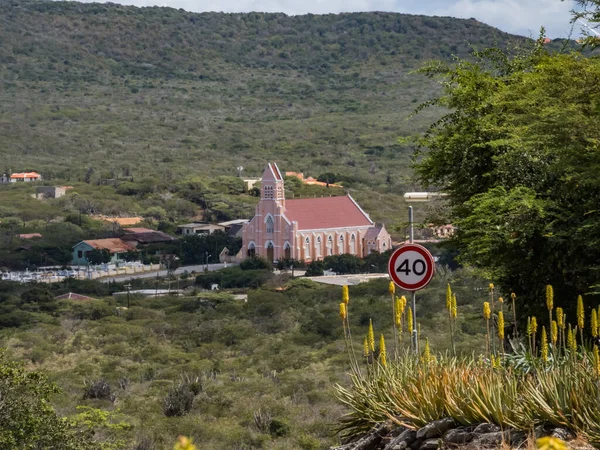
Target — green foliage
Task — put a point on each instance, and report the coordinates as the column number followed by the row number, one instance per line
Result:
column 98, row 256
column 517, row 157
column 28, row 420
column 256, row 263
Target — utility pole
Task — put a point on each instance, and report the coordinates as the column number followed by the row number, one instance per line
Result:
column 415, row 338
column 128, row 288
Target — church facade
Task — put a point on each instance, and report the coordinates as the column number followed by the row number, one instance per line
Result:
column 308, row 229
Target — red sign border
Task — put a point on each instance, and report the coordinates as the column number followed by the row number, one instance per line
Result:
column 430, row 269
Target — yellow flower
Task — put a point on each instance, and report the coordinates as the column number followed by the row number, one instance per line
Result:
column 572, row 339
column 403, row 304
column 382, row 352
column 343, row 313
column 454, row 307
column 580, row 313
column 500, row 299
column 371, row 336
column 184, row 443
column 529, row 326
column 551, row 443
column 409, row 319
column 560, row 318
column 491, row 286
column 596, row 361
column 398, row 311
column 544, row 345
column 366, row 347
column 513, row 296
column 345, row 294
column 549, row 297
column 554, row 332
column 486, row 310
column 534, row 326
column 426, row 356
column 594, row 323
column 392, row 288
column 501, row 325
column 448, row 297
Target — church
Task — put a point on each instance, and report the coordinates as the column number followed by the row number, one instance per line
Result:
column 308, row 229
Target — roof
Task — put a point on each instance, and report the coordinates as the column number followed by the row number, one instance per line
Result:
column 73, row 296
column 235, row 229
column 373, row 232
column 205, row 226
column 272, row 170
column 137, row 230
column 25, row 175
column 113, row 245
column 148, row 237
column 30, row 235
column 233, row 222
column 326, row 212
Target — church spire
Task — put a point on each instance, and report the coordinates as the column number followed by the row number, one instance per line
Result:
column 272, row 187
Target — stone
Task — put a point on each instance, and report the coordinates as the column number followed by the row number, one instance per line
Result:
column 416, row 445
column 430, row 444
column 436, row 428
column 492, row 439
column 402, row 441
column 563, row 433
column 484, row 428
column 458, row 436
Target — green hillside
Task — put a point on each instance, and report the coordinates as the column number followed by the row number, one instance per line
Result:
column 165, row 94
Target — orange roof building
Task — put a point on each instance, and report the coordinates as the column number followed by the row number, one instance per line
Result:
column 25, row 177
column 310, row 180
column 116, row 247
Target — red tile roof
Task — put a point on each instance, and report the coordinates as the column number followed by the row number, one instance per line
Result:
column 326, row 212
column 30, row 235
column 112, row 245
column 25, row 175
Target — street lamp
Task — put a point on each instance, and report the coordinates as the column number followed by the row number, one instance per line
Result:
column 417, row 197
column 207, row 256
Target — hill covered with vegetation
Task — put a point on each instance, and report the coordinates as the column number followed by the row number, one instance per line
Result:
column 95, row 91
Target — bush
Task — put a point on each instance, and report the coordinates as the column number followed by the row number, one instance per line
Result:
column 99, row 389
column 256, row 263
column 179, row 401
column 315, row 269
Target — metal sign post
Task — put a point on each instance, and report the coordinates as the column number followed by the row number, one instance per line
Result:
column 411, row 267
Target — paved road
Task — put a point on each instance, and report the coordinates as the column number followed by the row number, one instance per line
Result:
column 163, row 273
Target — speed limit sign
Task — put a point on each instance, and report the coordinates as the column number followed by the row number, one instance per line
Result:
column 411, row 267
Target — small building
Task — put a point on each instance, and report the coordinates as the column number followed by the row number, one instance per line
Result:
column 144, row 238
column 4, row 178
column 190, row 229
column 50, row 191
column 25, row 177
column 250, row 182
column 234, row 228
column 115, row 246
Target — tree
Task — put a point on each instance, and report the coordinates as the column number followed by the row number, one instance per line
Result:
column 98, row 256
column 519, row 158
column 28, row 420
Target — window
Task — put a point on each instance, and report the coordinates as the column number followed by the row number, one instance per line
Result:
column 352, row 244
column 341, row 245
column 270, row 225
column 270, row 251
column 319, row 250
column 79, row 254
column 287, row 249
column 251, row 249
column 329, row 245
column 268, row 192
column 307, row 248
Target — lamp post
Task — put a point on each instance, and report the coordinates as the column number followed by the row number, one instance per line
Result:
column 207, row 256
column 416, row 197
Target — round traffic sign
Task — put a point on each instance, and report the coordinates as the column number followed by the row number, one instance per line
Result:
column 411, row 267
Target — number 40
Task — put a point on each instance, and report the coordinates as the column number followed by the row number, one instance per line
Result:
column 418, row 267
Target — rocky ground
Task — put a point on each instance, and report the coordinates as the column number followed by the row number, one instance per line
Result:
column 446, row 433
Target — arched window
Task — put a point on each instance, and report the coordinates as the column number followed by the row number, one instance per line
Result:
column 307, row 248
column 287, row 250
column 251, row 249
column 319, row 249
column 268, row 192
column 329, row 245
column 270, row 224
column 352, row 244
column 341, row 245
column 270, row 251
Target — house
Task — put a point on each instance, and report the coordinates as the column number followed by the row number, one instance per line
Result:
column 308, row 229
column 115, row 246
column 310, row 180
column 25, row 177
column 146, row 238
column 234, row 228
column 250, row 182
column 50, row 191
column 190, row 229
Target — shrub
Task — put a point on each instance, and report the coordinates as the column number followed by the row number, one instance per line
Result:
column 179, row 401
column 256, row 263
column 99, row 389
